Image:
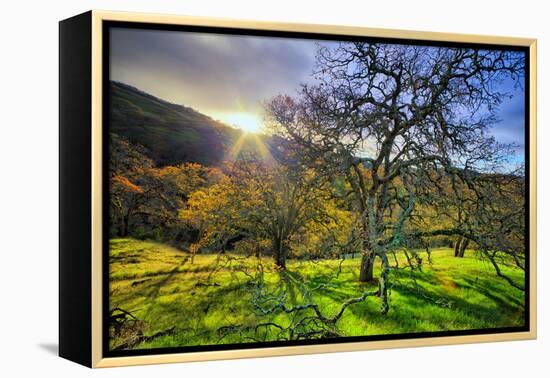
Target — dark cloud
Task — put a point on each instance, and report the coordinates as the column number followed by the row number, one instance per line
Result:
column 210, row 72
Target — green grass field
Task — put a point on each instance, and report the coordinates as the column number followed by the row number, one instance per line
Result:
column 178, row 301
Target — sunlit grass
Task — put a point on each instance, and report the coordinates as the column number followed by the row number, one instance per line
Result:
column 166, row 288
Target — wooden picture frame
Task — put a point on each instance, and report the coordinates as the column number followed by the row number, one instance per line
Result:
column 84, row 108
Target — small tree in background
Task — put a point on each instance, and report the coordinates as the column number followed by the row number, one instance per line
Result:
column 260, row 201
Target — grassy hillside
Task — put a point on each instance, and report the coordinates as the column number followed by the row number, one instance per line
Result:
column 171, row 133
column 176, row 300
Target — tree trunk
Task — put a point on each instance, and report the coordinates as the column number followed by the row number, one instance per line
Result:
column 383, row 285
column 280, row 252
column 458, row 243
column 281, row 261
column 463, row 247
column 366, row 273
column 123, row 229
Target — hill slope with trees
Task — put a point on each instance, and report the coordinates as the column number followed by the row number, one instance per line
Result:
column 173, row 133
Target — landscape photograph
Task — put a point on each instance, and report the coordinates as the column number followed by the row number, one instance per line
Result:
column 280, row 190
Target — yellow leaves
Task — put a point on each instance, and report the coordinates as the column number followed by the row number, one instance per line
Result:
column 125, row 184
column 334, row 229
column 194, row 248
column 267, row 203
column 207, row 205
column 185, row 178
column 215, row 175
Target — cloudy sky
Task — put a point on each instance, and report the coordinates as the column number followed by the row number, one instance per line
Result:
column 227, row 77
column 223, row 76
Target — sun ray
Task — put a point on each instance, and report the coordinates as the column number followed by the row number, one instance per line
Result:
column 252, row 142
column 264, row 152
column 236, row 148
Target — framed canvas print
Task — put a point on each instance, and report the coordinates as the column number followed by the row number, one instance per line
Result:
column 234, row 189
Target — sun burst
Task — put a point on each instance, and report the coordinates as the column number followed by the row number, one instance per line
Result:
column 245, row 121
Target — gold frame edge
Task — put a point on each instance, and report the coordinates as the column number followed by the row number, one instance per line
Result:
column 97, row 190
column 97, row 358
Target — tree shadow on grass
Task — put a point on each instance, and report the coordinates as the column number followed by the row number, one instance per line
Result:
column 155, row 288
column 294, row 285
column 466, row 312
column 502, row 297
column 152, row 290
column 500, row 294
column 419, row 309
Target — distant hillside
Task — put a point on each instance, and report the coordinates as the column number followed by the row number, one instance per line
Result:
column 171, row 133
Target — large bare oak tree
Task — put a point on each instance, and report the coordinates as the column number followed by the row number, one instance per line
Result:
column 387, row 117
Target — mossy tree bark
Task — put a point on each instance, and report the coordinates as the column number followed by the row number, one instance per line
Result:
column 366, row 273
